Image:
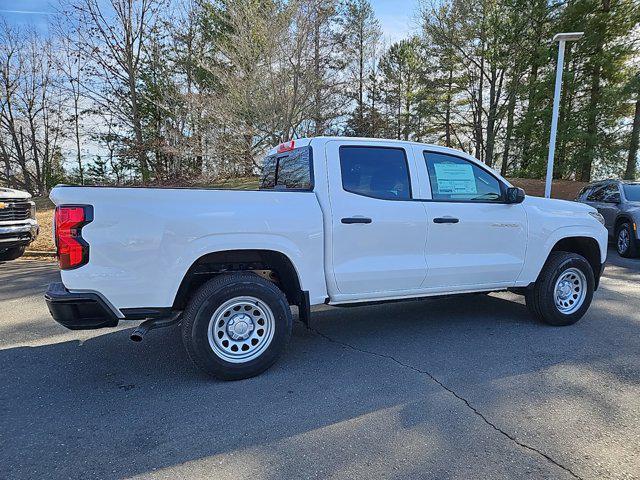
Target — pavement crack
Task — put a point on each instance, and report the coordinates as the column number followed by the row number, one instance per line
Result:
column 455, row 394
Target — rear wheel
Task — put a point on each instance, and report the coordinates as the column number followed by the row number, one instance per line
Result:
column 564, row 289
column 11, row 253
column 626, row 244
column 236, row 326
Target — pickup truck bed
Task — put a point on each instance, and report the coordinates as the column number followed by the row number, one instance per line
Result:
column 148, row 238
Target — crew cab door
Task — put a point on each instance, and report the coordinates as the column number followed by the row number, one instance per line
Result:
column 378, row 234
column 475, row 239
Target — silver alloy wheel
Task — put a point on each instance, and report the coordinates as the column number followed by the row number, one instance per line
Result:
column 623, row 240
column 570, row 290
column 241, row 329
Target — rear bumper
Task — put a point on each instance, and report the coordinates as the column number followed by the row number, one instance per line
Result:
column 18, row 235
column 78, row 311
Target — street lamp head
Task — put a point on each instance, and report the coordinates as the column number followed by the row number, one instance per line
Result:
column 567, row 37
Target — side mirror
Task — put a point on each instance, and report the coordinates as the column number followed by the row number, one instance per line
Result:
column 515, row 195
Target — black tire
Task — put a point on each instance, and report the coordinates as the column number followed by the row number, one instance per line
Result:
column 540, row 298
column 215, row 294
column 11, row 253
column 631, row 249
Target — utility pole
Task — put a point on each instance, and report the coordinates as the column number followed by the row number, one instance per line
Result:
column 562, row 39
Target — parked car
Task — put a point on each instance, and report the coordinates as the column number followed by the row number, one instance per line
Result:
column 18, row 225
column 619, row 203
column 336, row 221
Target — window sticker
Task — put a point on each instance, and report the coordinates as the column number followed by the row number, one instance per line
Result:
column 455, row 178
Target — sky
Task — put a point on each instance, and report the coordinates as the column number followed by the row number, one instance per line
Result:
column 26, row 12
column 397, row 17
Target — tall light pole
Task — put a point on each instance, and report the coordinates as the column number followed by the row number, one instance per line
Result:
column 562, row 39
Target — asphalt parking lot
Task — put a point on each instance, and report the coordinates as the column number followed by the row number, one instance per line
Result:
column 465, row 387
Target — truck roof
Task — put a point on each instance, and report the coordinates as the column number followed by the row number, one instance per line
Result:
column 303, row 142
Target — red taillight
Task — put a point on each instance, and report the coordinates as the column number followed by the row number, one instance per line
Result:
column 286, row 146
column 73, row 251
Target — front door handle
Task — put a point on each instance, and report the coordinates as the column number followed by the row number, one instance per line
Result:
column 445, row 220
column 351, row 220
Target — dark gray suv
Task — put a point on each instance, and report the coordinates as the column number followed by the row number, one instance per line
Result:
column 618, row 201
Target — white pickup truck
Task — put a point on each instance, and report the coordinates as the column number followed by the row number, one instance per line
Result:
column 18, row 224
column 338, row 221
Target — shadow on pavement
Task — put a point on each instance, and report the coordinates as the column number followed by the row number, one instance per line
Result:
column 108, row 408
column 25, row 277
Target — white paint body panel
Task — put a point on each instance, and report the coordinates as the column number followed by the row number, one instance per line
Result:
column 390, row 250
column 144, row 240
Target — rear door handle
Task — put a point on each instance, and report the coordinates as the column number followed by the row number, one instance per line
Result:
column 445, row 220
column 351, row 220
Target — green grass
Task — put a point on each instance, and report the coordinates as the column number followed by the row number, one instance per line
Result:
column 242, row 183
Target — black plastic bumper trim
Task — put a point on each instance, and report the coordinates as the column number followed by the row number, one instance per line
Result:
column 146, row 313
column 598, row 275
column 78, row 311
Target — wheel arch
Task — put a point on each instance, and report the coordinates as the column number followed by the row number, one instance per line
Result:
column 270, row 264
column 622, row 218
column 587, row 247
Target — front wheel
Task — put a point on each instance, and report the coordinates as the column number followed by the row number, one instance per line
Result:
column 11, row 253
column 236, row 326
column 564, row 289
column 625, row 241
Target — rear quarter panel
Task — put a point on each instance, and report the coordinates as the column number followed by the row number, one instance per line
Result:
column 142, row 241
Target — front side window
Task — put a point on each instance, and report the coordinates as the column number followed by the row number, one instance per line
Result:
column 454, row 179
column 375, row 172
column 287, row 171
column 583, row 193
column 596, row 194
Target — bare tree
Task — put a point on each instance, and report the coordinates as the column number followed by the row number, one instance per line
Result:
column 30, row 109
column 113, row 35
column 72, row 66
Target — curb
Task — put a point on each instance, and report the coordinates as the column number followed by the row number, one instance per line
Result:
column 36, row 254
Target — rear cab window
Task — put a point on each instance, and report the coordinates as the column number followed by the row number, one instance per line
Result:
column 291, row 170
column 376, row 172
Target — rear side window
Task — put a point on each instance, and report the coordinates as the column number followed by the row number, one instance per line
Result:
column 632, row 192
column 454, row 179
column 375, row 172
column 287, row 171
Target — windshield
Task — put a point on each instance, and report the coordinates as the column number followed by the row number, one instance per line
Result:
column 632, row 192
